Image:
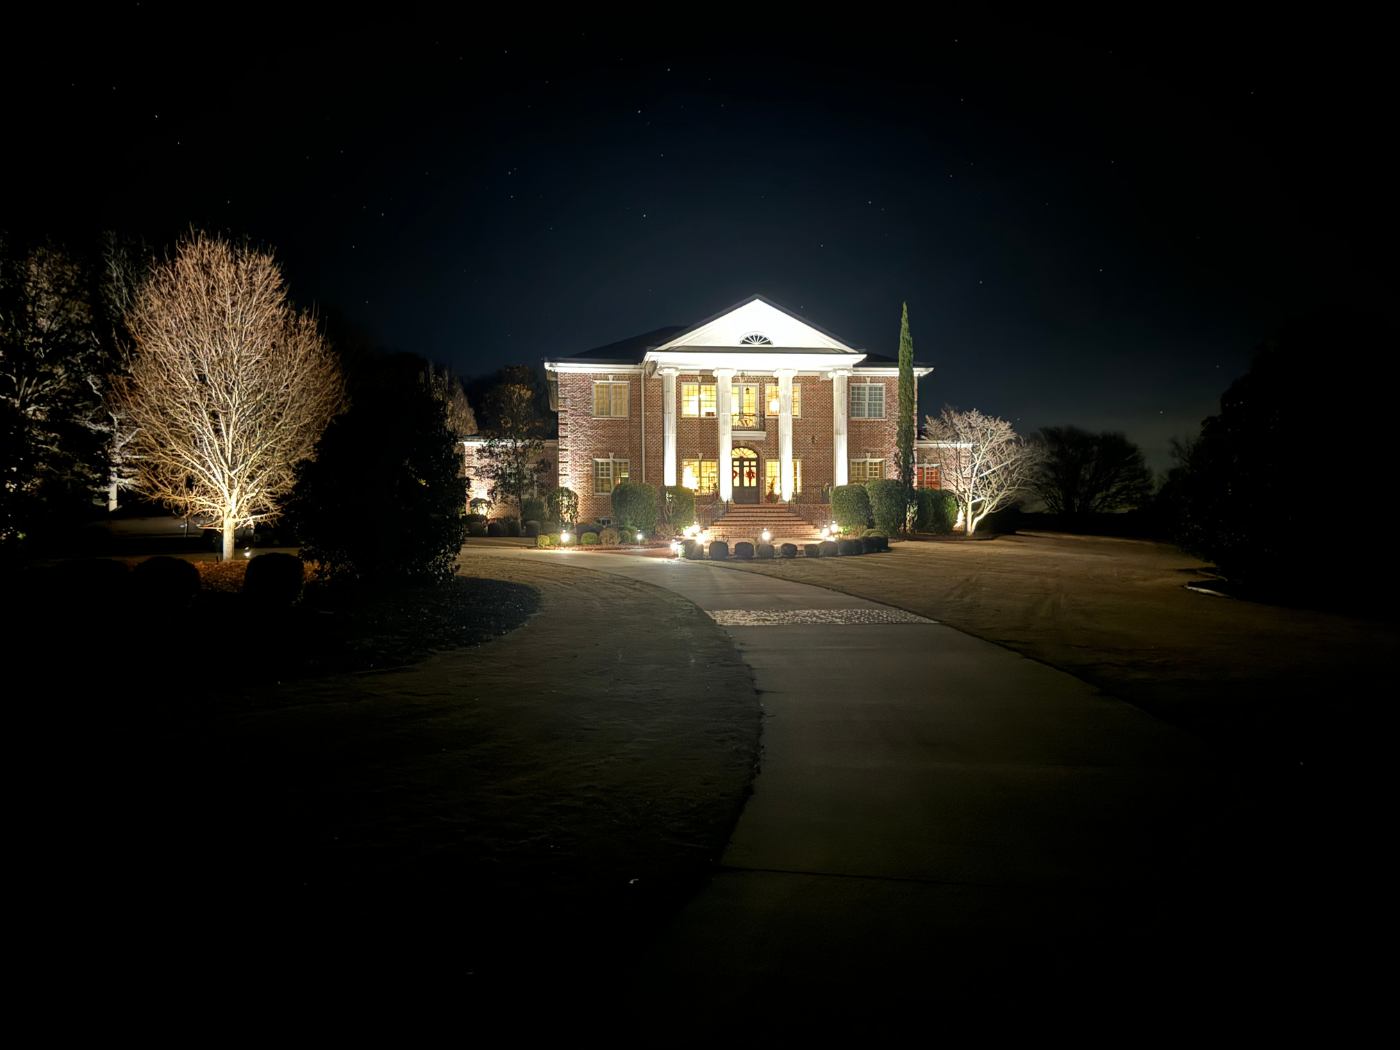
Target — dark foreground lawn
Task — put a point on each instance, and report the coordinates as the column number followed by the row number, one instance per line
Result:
column 483, row 822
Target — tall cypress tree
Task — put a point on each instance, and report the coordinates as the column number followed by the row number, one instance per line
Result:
column 904, row 454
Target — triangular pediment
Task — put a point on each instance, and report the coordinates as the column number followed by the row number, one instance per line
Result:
column 752, row 321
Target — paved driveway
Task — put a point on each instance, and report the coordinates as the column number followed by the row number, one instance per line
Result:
column 936, row 816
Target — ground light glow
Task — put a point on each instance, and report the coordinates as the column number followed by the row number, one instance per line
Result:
column 639, row 537
column 765, row 536
column 565, row 537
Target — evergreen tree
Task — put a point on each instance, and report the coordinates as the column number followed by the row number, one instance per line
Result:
column 904, row 451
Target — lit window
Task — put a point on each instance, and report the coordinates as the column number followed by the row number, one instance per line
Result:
column 867, row 401
column 608, row 474
column 698, row 400
column 867, row 470
column 770, row 395
column 610, row 399
column 701, row 475
column 773, row 479
column 745, row 406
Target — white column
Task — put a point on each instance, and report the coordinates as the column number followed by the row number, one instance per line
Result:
column 668, row 423
column 724, row 406
column 785, row 432
column 838, row 427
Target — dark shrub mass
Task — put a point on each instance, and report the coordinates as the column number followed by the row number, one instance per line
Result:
column 719, row 550
column 692, row 549
column 274, row 580
column 829, row 549
column 383, row 499
column 512, row 526
column 743, row 549
column 532, row 508
column 477, row 528
column 677, row 506
column 812, row 550
column 846, row 547
column 496, row 527
column 850, row 507
column 763, row 550
column 166, row 583
column 872, row 544
column 788, row 550
column 532, row 529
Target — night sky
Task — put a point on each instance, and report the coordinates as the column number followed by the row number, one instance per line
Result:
column 1090, row 226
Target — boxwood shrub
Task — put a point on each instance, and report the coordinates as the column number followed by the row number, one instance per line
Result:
column 588, row 539
column 544, row 540
column 634, row 506
column 476, row 528
column 512, row 526
column 888, row 501
column 677, row 506
column 788, row 550
column 532, row 508
column 719, row 550
column 532, row 529
column 812, row 550
column 743, row 549
column 829, row 549
column 763, row 550
column 496, row 527
column 847, row 547
column 871, row 544
column 274, row 580
column 692, row 549
column 850, row 507
column 608, row 537
column 938, row 511
column 563, row 505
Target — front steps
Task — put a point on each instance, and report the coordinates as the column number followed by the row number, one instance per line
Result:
column 746, row 521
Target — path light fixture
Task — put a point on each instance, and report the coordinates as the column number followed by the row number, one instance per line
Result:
column 766, row 536
column 639, row 537
column 565, row 537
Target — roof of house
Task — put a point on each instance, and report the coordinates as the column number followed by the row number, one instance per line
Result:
column 628, row 351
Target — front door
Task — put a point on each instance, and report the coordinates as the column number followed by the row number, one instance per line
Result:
column 745, row 475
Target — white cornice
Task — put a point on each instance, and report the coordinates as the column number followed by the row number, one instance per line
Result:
column 704, row 359
column 588, row 366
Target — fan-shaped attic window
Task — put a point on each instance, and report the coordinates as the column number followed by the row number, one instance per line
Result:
column 755, row 339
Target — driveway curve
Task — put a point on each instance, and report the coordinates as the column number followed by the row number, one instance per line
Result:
column 938, row 820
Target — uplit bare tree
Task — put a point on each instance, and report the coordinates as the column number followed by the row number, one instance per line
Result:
column 229, row 387
column 982, row 461
column 124, row 266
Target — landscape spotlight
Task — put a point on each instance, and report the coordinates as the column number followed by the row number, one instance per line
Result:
column 639, row 537
column 765, row 536
column 564, row 536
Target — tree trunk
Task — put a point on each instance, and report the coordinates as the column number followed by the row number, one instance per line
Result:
column 112, row 497
column 228, row 539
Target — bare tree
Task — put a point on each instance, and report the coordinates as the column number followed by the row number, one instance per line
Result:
column 124, row 266
column 982, row 461
column 230, row 387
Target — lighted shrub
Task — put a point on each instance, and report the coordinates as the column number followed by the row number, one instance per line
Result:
column 634, row 506
column 164, row 582
column 532, row 508
column 608, row 537
column 274, row 580
column 888, row 503
column 563, row 505
column 848, row 547
column 496, row 527
column 829, row 549
column 850, row 507
column 719, row 551
column 677, row 507
column 588, row 539
column 938, row 511
column 811, row 550
column 763, row 550
column 544, row 541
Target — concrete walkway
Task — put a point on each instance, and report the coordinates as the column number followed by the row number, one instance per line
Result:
column 934, row 817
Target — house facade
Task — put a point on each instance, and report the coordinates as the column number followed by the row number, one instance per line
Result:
column 753, row 406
